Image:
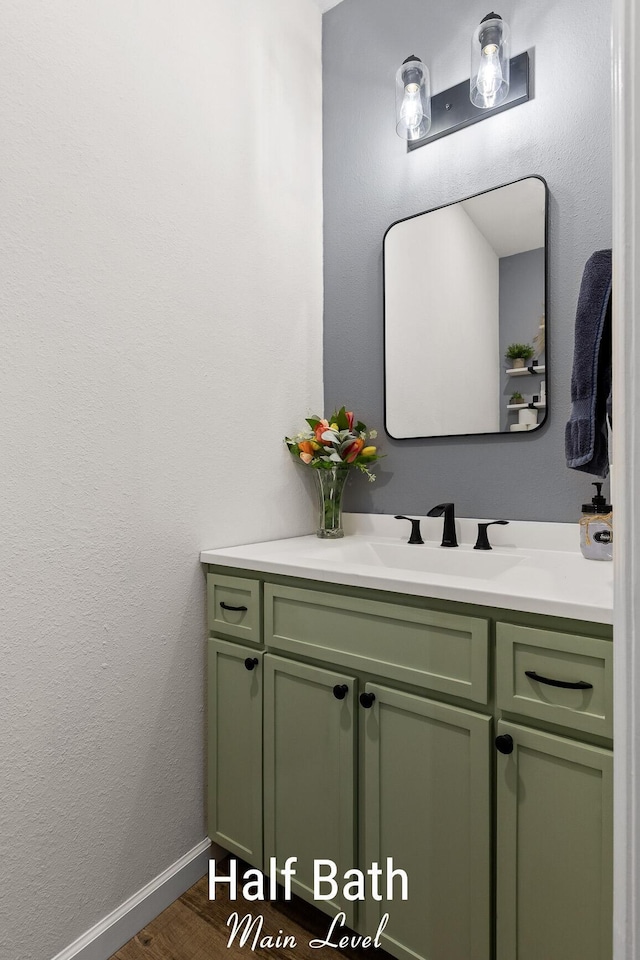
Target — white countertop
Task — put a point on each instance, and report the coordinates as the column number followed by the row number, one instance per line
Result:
column 533, row 567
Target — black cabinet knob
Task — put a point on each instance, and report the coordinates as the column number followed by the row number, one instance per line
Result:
column 251, row 663
column 366, row 699
column 340, row 691
column 504, row 743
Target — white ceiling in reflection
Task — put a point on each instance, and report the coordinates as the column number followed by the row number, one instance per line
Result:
column 325, row 5
column 492, row 214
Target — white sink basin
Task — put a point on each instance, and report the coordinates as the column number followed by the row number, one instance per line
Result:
column 461, row 561
column 451, row 561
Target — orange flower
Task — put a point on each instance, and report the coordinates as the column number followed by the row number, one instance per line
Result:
column 352, row 450
column 307, row 447
column 319, row 430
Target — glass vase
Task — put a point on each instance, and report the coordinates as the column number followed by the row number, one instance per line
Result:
column 330, row 487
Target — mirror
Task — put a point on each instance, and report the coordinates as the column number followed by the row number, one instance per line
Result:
column 465, row 288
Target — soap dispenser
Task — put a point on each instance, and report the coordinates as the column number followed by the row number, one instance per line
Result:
column 596, row 528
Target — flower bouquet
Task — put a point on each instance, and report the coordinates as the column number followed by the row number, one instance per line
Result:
column 332, row 447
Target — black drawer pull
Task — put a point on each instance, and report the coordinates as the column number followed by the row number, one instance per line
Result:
column 251, row 663
column 566, row 684
column 340, row 691
column 225, row 606
column 366, row 699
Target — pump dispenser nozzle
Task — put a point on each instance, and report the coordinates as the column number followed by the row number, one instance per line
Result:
column 598, row 503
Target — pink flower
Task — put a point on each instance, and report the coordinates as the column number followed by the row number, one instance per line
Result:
column 306, row 457
column 350, row 419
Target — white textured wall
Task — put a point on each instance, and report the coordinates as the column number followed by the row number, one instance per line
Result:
column 160, row 298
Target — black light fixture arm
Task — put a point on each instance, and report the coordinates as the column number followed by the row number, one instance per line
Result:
column 452, row 110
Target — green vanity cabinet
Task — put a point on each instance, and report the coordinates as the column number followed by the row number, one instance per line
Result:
column 235, row 749
column 309, row 771
column 370, row 728
column 554, row 795
column 554, row 848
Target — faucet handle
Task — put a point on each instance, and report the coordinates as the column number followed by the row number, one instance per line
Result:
column 416, row 536
column 482, row 543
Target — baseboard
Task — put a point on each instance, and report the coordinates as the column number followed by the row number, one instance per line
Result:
column 102, row 941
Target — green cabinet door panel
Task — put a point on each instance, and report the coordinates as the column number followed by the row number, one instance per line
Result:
column 554, row 848
column 427, row 805
column 235, row 749
column 309, row 773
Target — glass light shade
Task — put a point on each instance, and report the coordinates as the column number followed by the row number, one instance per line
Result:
column 413, row 100
column 490, row 62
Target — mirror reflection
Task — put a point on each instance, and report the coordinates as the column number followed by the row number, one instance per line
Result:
column 465, row 294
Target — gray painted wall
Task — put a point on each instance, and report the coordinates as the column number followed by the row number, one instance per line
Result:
column 521, row 306
column 370, row 181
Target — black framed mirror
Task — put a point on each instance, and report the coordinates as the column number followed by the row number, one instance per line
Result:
column 465, row 294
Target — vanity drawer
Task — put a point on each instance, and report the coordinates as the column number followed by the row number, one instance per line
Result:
column 233, row 607
column 564, row 659
column 437, row 651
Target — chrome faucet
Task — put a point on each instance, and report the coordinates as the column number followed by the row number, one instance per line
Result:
column 449, row 538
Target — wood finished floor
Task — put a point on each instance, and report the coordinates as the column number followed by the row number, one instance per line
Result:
column 195, row 928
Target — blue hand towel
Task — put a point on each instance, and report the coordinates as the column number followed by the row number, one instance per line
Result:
column 586, row 442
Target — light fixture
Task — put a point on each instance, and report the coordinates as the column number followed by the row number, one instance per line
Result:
column 497, row 83
column 413, row 100
column 489, row 84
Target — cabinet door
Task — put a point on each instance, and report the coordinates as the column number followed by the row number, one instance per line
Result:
column 309, row 773
column 235, row 749
column 554, row 836
column 427, row 807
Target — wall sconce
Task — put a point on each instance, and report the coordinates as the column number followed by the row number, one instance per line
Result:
column 489, row 84
column 413, row 100
column 497, row 83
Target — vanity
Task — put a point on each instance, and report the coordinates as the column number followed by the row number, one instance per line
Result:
column 447, row 713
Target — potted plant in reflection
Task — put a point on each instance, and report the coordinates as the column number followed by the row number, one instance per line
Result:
column 516, row 398
column 517, row 354
column 332, row 447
